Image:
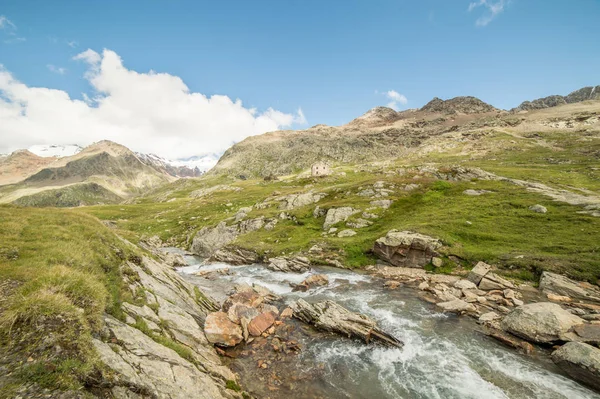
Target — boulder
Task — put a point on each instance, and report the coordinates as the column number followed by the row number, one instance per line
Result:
column 346, row 233
column 235, row 256
column 250, row 225
column 478, row 272
column 538, row 208
column 316, row 280
column 581, row 361
column 261, row 323
column 210, row 239
column 238, row 311
column 588, row 333
column 457, row 305
column 384, row 204
column 491, row 281
column 465, row 285
column 245, row 297
column 293, row 201
column 405, row 248
column 329, row 316
column 542, row 322
column 219, row 330
column 561, row 285
column 337, row 215
column 297, row 264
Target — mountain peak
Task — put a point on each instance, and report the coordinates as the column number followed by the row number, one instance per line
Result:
column 462, row 105
column 583, row 94
column 376, row 116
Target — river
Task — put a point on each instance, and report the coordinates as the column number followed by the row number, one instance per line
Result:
column 444, row 356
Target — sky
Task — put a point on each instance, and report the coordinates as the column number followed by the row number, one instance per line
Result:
column 187, row 78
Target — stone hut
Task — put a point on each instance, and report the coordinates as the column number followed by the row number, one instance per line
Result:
column 320, row 169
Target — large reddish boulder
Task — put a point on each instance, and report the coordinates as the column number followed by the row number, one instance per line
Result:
column 219, row 330
column 261, row 323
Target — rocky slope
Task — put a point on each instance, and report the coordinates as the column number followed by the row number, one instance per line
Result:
column 383, row 134
column 104, row 172
column 584, row 94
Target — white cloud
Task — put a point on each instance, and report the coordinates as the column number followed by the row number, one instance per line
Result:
column 395, row 99
column 148, row 112
column 72, row 43
column 6, row 23
column 492, row 10
column 9, row 30
column 55, row 69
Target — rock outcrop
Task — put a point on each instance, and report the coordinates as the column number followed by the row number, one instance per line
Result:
column 329, row 316
column 405, row 248
column 561, row 285
column 581, row 361
column 337, row 215
column 210, row 239
column 294, row 201
column 541, row 322
column 136, row 361
column 458, row 105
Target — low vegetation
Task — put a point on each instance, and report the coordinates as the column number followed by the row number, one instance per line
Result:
column 59, row 272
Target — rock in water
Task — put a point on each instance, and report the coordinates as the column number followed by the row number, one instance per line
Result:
column 542, row 322
column 405, row 248
column 329, row 316
column 298, row 264
column 581, row 361
column 561, row 285
column 316, row 280
column 221, row 331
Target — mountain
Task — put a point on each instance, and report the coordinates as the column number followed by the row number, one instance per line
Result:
column 104, row 172
column 20, row 165
column 584, row 94
column 172, row 168
column 458, row 105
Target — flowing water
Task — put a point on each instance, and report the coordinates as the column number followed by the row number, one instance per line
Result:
column 444, row 356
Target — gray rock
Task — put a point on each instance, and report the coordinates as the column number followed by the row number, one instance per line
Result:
column 235, row 256
column 581, row 361
column 405, row 248
column 457, row 305
column 478, row 272
column 492, row 281
column 538, row 208
column 346, row 233
column 385, row 204
column 297, row 264
column 139, row 363
column 248, row 226
column 337, row 215
column 293, row 201
column 561, row 285
column 465, row 285
column 329, row 316
column 542, row 322
column 489, row 316
column 359, row 223
column 210, row 239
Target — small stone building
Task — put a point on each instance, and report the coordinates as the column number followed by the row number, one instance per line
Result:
column 320, row 169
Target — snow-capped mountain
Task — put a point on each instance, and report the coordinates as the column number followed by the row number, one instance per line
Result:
column 178, row 168
column 57, row 151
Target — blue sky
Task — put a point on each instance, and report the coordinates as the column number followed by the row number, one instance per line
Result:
column 332, row 59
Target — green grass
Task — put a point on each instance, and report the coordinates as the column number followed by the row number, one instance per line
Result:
column 64, row 266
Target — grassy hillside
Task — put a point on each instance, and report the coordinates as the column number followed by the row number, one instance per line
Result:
column 71, row 196
column 59, row 272
column 496, row 227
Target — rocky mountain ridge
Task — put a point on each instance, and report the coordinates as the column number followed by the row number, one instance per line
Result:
column 584, row 94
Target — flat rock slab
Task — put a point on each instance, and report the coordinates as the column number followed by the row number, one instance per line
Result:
column 561, row 285
column 329, row 316
column 542, row 322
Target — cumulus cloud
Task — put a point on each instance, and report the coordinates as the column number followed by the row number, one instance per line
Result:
column 55, row 69
column 148, row 112
column 9, row 31
column 395, row 99
column 492, row 10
